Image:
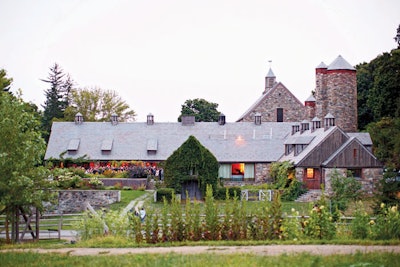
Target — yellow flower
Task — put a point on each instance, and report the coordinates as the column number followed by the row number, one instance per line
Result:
column 321, row 207
column 393, row 209
column 371, row 222
column 293, row 210
column 382, row 205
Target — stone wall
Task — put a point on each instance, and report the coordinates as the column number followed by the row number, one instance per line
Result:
column 279, row 97
column 262, row 174
column 73, row 201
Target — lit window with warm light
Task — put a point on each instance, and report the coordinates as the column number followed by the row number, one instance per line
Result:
column 310, row 173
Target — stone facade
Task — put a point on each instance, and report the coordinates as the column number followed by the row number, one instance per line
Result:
column 73, row 201
column 336, row 93
column 279, row 97
column 262, row 174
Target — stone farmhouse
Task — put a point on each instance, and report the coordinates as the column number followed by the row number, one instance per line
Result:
column 317, row 136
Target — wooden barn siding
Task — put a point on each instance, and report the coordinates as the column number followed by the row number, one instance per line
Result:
column 323, row 151
column 346, row 158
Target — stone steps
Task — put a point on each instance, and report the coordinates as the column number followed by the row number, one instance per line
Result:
column 311, row 195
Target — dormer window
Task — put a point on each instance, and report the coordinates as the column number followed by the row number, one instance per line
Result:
column 295, row 128
column 305, row 126
column 78, row 118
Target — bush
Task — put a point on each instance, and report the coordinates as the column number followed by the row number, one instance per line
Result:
column 220, row 193
column 165, row 192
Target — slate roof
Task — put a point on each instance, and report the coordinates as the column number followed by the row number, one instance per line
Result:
column 313, row 138
column 318, row 135
column 340, row 64
column 270, row 73
column 232, row 142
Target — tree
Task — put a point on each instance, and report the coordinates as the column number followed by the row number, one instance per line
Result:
column 397, row 37
column 201, row 109
column 5, row 82
column 378, row 85
column 97, row 105
column 344, row 189
column 385, row 135
column 191, row 161
column 56, row 97
column 23, row 182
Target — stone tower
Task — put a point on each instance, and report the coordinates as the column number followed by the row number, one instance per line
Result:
column 336, row 93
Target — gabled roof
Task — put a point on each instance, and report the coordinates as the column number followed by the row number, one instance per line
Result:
column 318, row 136
column 342, row 149
column 231, row 142
column 313, row 140
column 264, row 97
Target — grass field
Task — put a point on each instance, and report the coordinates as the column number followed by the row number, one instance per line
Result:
column 209, row 259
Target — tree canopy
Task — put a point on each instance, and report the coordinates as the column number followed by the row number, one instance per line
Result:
column 191, row 161
column 5, row 82
column 97, row 105
column 23, row 183
column 397, row 37
column 378, row 86
column 201, row 109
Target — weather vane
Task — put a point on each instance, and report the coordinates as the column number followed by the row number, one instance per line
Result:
column 270, row 61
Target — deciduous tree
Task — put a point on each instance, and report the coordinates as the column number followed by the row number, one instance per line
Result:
column 22, row 183
column 201, row 109
column 97, row 105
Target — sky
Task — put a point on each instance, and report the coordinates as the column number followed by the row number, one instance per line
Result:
column 156, row 54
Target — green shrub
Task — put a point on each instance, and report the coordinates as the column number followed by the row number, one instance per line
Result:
column 166, row 193
column 221, row 192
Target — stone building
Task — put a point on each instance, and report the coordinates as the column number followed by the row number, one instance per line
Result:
column 335, row 94
column 276, row 104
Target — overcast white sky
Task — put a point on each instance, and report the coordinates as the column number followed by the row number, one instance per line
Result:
column 156, row 54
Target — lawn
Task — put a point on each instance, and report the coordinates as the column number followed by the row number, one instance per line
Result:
column 207, row 259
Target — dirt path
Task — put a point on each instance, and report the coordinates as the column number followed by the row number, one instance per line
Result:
column 259, row 250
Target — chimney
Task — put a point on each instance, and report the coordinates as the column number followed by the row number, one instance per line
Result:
column 316, row 124
column 78, row 118
column 114, row 119
column 329, row 121
column 221, row 119
column 150, row 119
column 188, row 120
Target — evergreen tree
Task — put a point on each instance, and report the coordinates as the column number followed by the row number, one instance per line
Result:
column 56, row 98
column 5, row 82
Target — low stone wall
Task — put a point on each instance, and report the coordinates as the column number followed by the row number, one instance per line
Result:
column 72, row 201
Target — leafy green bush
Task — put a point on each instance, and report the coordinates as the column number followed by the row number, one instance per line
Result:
column 221, row 192
column 166, row 193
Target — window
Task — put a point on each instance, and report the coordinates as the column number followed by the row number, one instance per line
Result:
column 238, row 169
column 310, row 173
column 289, row 149
column 279, row 114
column 356, row 173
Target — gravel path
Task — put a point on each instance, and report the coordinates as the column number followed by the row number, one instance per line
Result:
column 258, row 250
